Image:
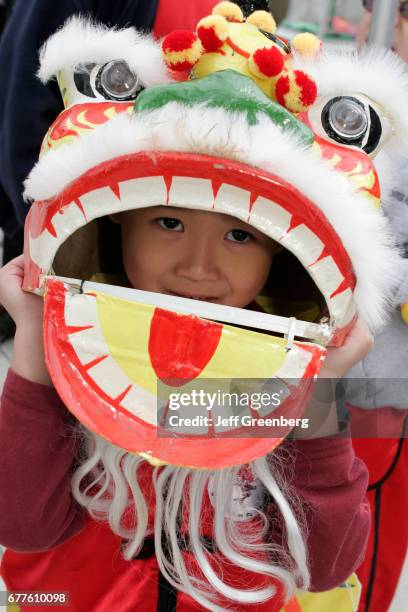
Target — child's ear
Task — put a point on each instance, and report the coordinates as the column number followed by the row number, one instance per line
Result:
column 116, row 218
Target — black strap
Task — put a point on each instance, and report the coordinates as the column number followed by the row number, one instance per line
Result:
column 166, row 593
column 377, row 520
column 394, row 463
column 147, row 549
column 376, row 487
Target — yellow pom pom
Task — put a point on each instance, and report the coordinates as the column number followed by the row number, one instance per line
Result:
column 229, row 10
column 306, row 44
column 404, row 312
column 295, row 90
column 262, row 20
column 212, row 31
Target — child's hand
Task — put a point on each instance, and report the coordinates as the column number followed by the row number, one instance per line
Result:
column 27, row 310
column 357, row 345
column 321, row 410
column 24, row 308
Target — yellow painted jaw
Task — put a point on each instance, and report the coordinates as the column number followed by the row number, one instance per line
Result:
column 239, row 354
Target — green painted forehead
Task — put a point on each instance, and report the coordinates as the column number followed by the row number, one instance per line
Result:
column 229, row 90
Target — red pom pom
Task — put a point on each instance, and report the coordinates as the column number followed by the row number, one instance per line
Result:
column 184, row 67
column 307, row 86
column 179, row 40
column 181, row 50
column 269, row 61
column 209, row 38
column 282, row 88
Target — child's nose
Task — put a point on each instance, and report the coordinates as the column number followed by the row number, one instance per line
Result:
column 199, row 261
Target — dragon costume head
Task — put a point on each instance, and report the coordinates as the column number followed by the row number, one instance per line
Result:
column 282, row 137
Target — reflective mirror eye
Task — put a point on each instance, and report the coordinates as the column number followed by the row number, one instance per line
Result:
column 348, row 118
column 116, row 81
column 351, row 120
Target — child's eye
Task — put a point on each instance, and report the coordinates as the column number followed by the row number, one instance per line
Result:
column 238, row 235
column 170, row 223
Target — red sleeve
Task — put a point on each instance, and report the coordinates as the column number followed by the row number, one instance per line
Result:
column 38, row 448
column 332, row 482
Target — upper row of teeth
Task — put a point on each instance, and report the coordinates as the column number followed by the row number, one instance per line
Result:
column 198, row 193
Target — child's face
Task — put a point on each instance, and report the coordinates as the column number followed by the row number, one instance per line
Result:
column 195, row 254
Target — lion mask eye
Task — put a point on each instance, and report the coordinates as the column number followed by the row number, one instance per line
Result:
column 112, row 81
column 353, row 121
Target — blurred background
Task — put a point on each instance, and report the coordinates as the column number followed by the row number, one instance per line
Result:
column 332, row 20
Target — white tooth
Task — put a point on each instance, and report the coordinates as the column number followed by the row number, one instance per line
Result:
column 191, row 193
column 87, row 345
column 141, row 404
column 109, row 377
column 304, row 244
column 80, row 310
column 42, row 249
column 142, row 192
column 295, row 363
column 270, row 218
column 326, row 275
column 100, row 202
column 68, row 220
column 342, row 308
column 233, row 201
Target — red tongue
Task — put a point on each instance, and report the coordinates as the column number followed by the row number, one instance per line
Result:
column 180, row 346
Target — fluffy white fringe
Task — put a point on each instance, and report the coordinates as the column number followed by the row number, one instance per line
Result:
column 365, row 232
column 115, row 472
column 81, row 40
column 375, row 72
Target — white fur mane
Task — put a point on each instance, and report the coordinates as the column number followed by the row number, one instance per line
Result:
column 107, row 484
column 377, row 73
column 80, row 41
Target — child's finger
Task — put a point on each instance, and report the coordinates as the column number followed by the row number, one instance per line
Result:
column 360, row 340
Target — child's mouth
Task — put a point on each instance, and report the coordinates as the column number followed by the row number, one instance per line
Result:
column 191, row 296
column 214, row 311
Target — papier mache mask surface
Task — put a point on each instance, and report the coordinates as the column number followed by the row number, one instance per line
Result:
column 281, row 138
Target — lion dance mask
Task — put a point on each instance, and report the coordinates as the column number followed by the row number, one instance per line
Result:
column 298, row 166
column 230, row 119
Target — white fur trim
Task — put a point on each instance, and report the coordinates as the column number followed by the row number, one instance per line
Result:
column 80, row 40
column 363, row 230
column 377, row 73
